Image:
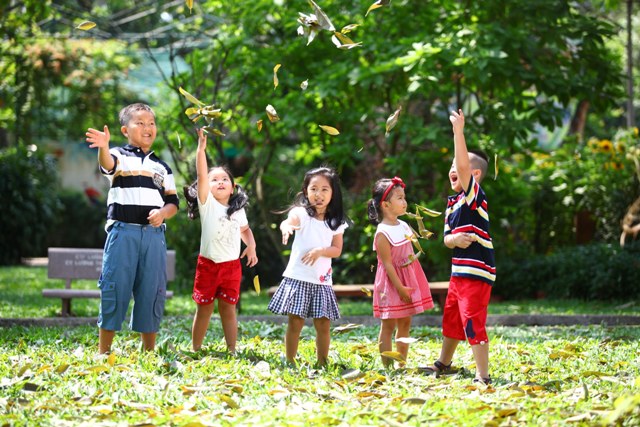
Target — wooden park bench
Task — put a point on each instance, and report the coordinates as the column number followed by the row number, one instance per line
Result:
column 438, row 291
column 82, row 263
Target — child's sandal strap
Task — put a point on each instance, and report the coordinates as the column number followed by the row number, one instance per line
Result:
column 441, row 366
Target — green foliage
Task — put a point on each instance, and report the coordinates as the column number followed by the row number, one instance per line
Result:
column 543, row 376
column 78, row 213
column 597, row 271
column 28, row 184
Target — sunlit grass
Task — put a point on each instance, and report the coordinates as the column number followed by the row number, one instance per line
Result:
column 543, row 376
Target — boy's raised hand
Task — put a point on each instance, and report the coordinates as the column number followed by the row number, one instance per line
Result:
column 457, row 120
column 98, row 139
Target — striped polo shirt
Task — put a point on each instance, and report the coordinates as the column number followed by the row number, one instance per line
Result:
column 467, row 212
column 139, row 183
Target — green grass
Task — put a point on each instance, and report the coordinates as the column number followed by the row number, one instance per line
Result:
column 577, row 376
column 21, row 290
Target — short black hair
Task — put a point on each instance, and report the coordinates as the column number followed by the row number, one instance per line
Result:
column 479, row 160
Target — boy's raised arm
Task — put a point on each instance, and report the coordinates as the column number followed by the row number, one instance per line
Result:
column 463, row 166
column 100, row 140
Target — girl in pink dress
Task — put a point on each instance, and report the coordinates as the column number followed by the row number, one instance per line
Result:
column 400, row 288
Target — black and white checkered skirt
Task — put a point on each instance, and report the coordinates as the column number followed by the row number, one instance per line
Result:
column 304, row 299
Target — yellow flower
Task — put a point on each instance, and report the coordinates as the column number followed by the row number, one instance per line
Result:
column 605, row 146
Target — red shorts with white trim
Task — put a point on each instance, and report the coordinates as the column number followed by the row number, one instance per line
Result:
column 465, row 311
column 217, row 280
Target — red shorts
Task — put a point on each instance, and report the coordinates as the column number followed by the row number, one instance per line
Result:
column 465, row 311
column 217, row 280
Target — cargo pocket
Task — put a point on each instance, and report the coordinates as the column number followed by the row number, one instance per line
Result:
column 158, row 306
column 108, row 298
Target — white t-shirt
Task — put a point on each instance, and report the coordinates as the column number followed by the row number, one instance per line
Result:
column 220, row 238
column 313, row 233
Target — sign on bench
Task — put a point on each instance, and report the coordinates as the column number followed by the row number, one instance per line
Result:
column 83, row 263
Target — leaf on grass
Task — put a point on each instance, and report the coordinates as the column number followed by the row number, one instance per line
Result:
column 190, row 97
column 330, row 130
column 275, row 76
column 189, row 4
column 102, row 409
column 229, row 401
column 392, row 121
column 278, row 393
column 272, row 114
column 495, row 166
column 30, row 386
column 111, row 360
column 86, row 25
column 24, row 369
column 304, row 84
column 506, row 412
column 366, row 291
column 61, row 368
column 256, row 284
column 377, row 5
column 414, row 400
column 351, row 374
column 406, row 340
column 346, row 328
column 393, row 355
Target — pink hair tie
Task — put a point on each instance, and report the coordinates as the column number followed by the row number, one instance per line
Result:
column 394, row 181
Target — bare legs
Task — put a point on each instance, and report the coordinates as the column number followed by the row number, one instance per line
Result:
column 402, row 328
column 323, row 338
column 203, row 317
column 480, row 355
column 105, row 340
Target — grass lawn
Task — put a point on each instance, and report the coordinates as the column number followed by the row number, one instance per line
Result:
column 549, row 376
column 21, row 290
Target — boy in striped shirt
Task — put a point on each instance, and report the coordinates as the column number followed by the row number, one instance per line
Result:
column 141, row 197
column 473, row 271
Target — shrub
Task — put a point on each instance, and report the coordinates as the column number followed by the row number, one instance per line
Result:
column 80, row 224
column 597, row 271
column 29, row 188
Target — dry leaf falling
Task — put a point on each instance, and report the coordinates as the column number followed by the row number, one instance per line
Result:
column 256, row 284
column 495, row 166
column 86, row 25
column 377, row 5
column 392, row 121
column 189, row 5
column 304, row 84
column 259, row 125
column 275, row 76
column 272, row 114
column 330, row 130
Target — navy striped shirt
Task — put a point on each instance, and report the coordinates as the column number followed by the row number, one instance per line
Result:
column 139, row 183
column 468, row 212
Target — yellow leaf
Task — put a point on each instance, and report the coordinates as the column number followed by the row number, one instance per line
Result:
column 229, row 401
column 61, row 368
column 495, row 166
column 272, row 114
column 343, row 39
column 330, row 130
column 367, row 291
column 86, row 25
column 414, row 400
column 213, row 130
column 506, row 412
column 429, row 212
column 111, row 360
column 393, row 355
column 256, row 283
column 377, row 5
column 348, row 28
column 190, row 97
column 259, row 125
column 345, row 328
column 189, row 4
column 275, row 75
column 304, row 84
column 392, row 121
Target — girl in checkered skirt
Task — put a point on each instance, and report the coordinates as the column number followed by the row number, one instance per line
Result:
column 400, row 288
column 318, row 221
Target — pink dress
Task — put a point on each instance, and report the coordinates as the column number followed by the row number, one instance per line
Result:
column 386, row 300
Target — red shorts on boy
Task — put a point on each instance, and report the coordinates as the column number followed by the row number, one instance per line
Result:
column 217, row 280
column 465, row 311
